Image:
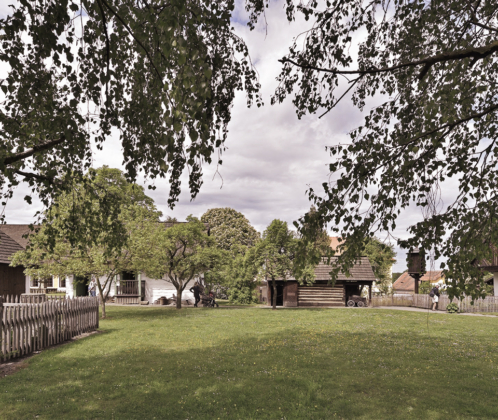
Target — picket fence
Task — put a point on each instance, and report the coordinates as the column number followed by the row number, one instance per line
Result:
column 487, row 304
column 30, row 327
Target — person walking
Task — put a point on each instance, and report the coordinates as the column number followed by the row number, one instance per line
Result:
column 196, row 290
column 92, row 288
column 435, row 297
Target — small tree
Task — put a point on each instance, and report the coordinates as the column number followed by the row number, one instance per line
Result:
column 239, row 275
column 181, row 252
column 381, row 257
column 276, row 253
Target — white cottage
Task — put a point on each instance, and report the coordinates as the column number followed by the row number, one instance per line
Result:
column 128, row 287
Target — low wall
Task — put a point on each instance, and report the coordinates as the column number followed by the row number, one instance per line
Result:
column 488, row 304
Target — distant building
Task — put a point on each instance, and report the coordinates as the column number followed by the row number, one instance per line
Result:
column 405, row 284
column 291, row 294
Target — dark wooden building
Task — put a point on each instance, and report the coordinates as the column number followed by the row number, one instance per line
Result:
column 12, row 279
column 291, row 294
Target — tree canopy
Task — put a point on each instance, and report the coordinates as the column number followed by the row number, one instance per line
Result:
column 425, row 71
column 161, row 74
column 230, row 228
column 91, row 235
column 179, row 254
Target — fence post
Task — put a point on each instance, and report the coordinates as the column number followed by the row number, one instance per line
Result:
column 2, row 343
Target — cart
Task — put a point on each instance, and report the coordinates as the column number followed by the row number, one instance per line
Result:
column 356, row 300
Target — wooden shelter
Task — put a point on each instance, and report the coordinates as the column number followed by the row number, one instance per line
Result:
column 12, row 279
column 291, row 294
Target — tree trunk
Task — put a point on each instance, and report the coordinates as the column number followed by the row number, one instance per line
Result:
column 102, row 297
column 274, row 285
column 179, row 292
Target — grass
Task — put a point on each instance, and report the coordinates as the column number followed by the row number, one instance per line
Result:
column 260, row 364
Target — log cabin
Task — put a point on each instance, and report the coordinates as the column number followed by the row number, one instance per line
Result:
column 322, row 293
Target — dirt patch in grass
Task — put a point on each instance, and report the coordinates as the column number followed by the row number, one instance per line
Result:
column 10, row 368
column 13, row 366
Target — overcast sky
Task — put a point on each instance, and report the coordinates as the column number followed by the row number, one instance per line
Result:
column 271, row 158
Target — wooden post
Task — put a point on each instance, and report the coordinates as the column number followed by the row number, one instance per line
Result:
column 139, row 277
column 2, row 339
column 370, row 293
column 416, row 279
column 116, row 285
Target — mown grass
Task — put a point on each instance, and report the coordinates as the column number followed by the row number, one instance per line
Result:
column 260, row 364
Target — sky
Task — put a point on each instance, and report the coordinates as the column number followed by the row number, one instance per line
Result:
column 272, row 158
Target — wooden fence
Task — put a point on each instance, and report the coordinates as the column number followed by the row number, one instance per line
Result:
column 488, row 304
column 29, row 327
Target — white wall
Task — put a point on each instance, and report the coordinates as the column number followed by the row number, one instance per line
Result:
column 155, row 288
column 27, row 284
column 70, row 286
column 495, row 283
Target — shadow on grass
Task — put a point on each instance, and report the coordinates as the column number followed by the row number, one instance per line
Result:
column 203, row 364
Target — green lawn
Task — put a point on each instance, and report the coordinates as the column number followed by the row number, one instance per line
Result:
column 260, row 364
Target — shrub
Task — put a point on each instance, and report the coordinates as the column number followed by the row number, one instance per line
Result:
column 452, row 308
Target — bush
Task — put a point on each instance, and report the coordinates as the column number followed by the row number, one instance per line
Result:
column 452, row 308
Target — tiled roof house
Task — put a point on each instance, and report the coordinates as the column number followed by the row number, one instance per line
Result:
column 406, row 284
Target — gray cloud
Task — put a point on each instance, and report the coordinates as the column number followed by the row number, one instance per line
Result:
column 271, row 157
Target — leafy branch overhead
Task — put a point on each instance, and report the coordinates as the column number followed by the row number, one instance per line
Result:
column 426, row 72
column 161, row 74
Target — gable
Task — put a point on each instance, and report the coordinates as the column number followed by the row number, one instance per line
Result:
column 8, row 247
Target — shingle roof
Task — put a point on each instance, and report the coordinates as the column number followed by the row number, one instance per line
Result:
column 16, row 232
column 406, row 283
column 362, row 270
column 8, row 247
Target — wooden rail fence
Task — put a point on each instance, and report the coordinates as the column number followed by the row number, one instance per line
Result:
column 487, row 304
column 29, row 327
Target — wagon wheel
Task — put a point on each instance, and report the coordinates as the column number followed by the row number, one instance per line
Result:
column 351, row 303
column 361, row 304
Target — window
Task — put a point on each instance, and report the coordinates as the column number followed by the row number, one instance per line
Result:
column 62, row 282
column 128, row 275
column 49, row 282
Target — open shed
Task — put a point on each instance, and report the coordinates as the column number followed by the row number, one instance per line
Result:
column 291, row 294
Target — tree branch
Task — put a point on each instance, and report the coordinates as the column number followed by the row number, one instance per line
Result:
column 108, row 47
column 476, row 52
column 38, row 177
column 489, row 28
column 35, row 149
column 134, row 37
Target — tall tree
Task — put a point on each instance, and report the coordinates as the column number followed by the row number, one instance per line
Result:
column 178, row 254
column 234, row 234
column 230, row 228
column 109, row 221
column 163, row 74
column 433, row 66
